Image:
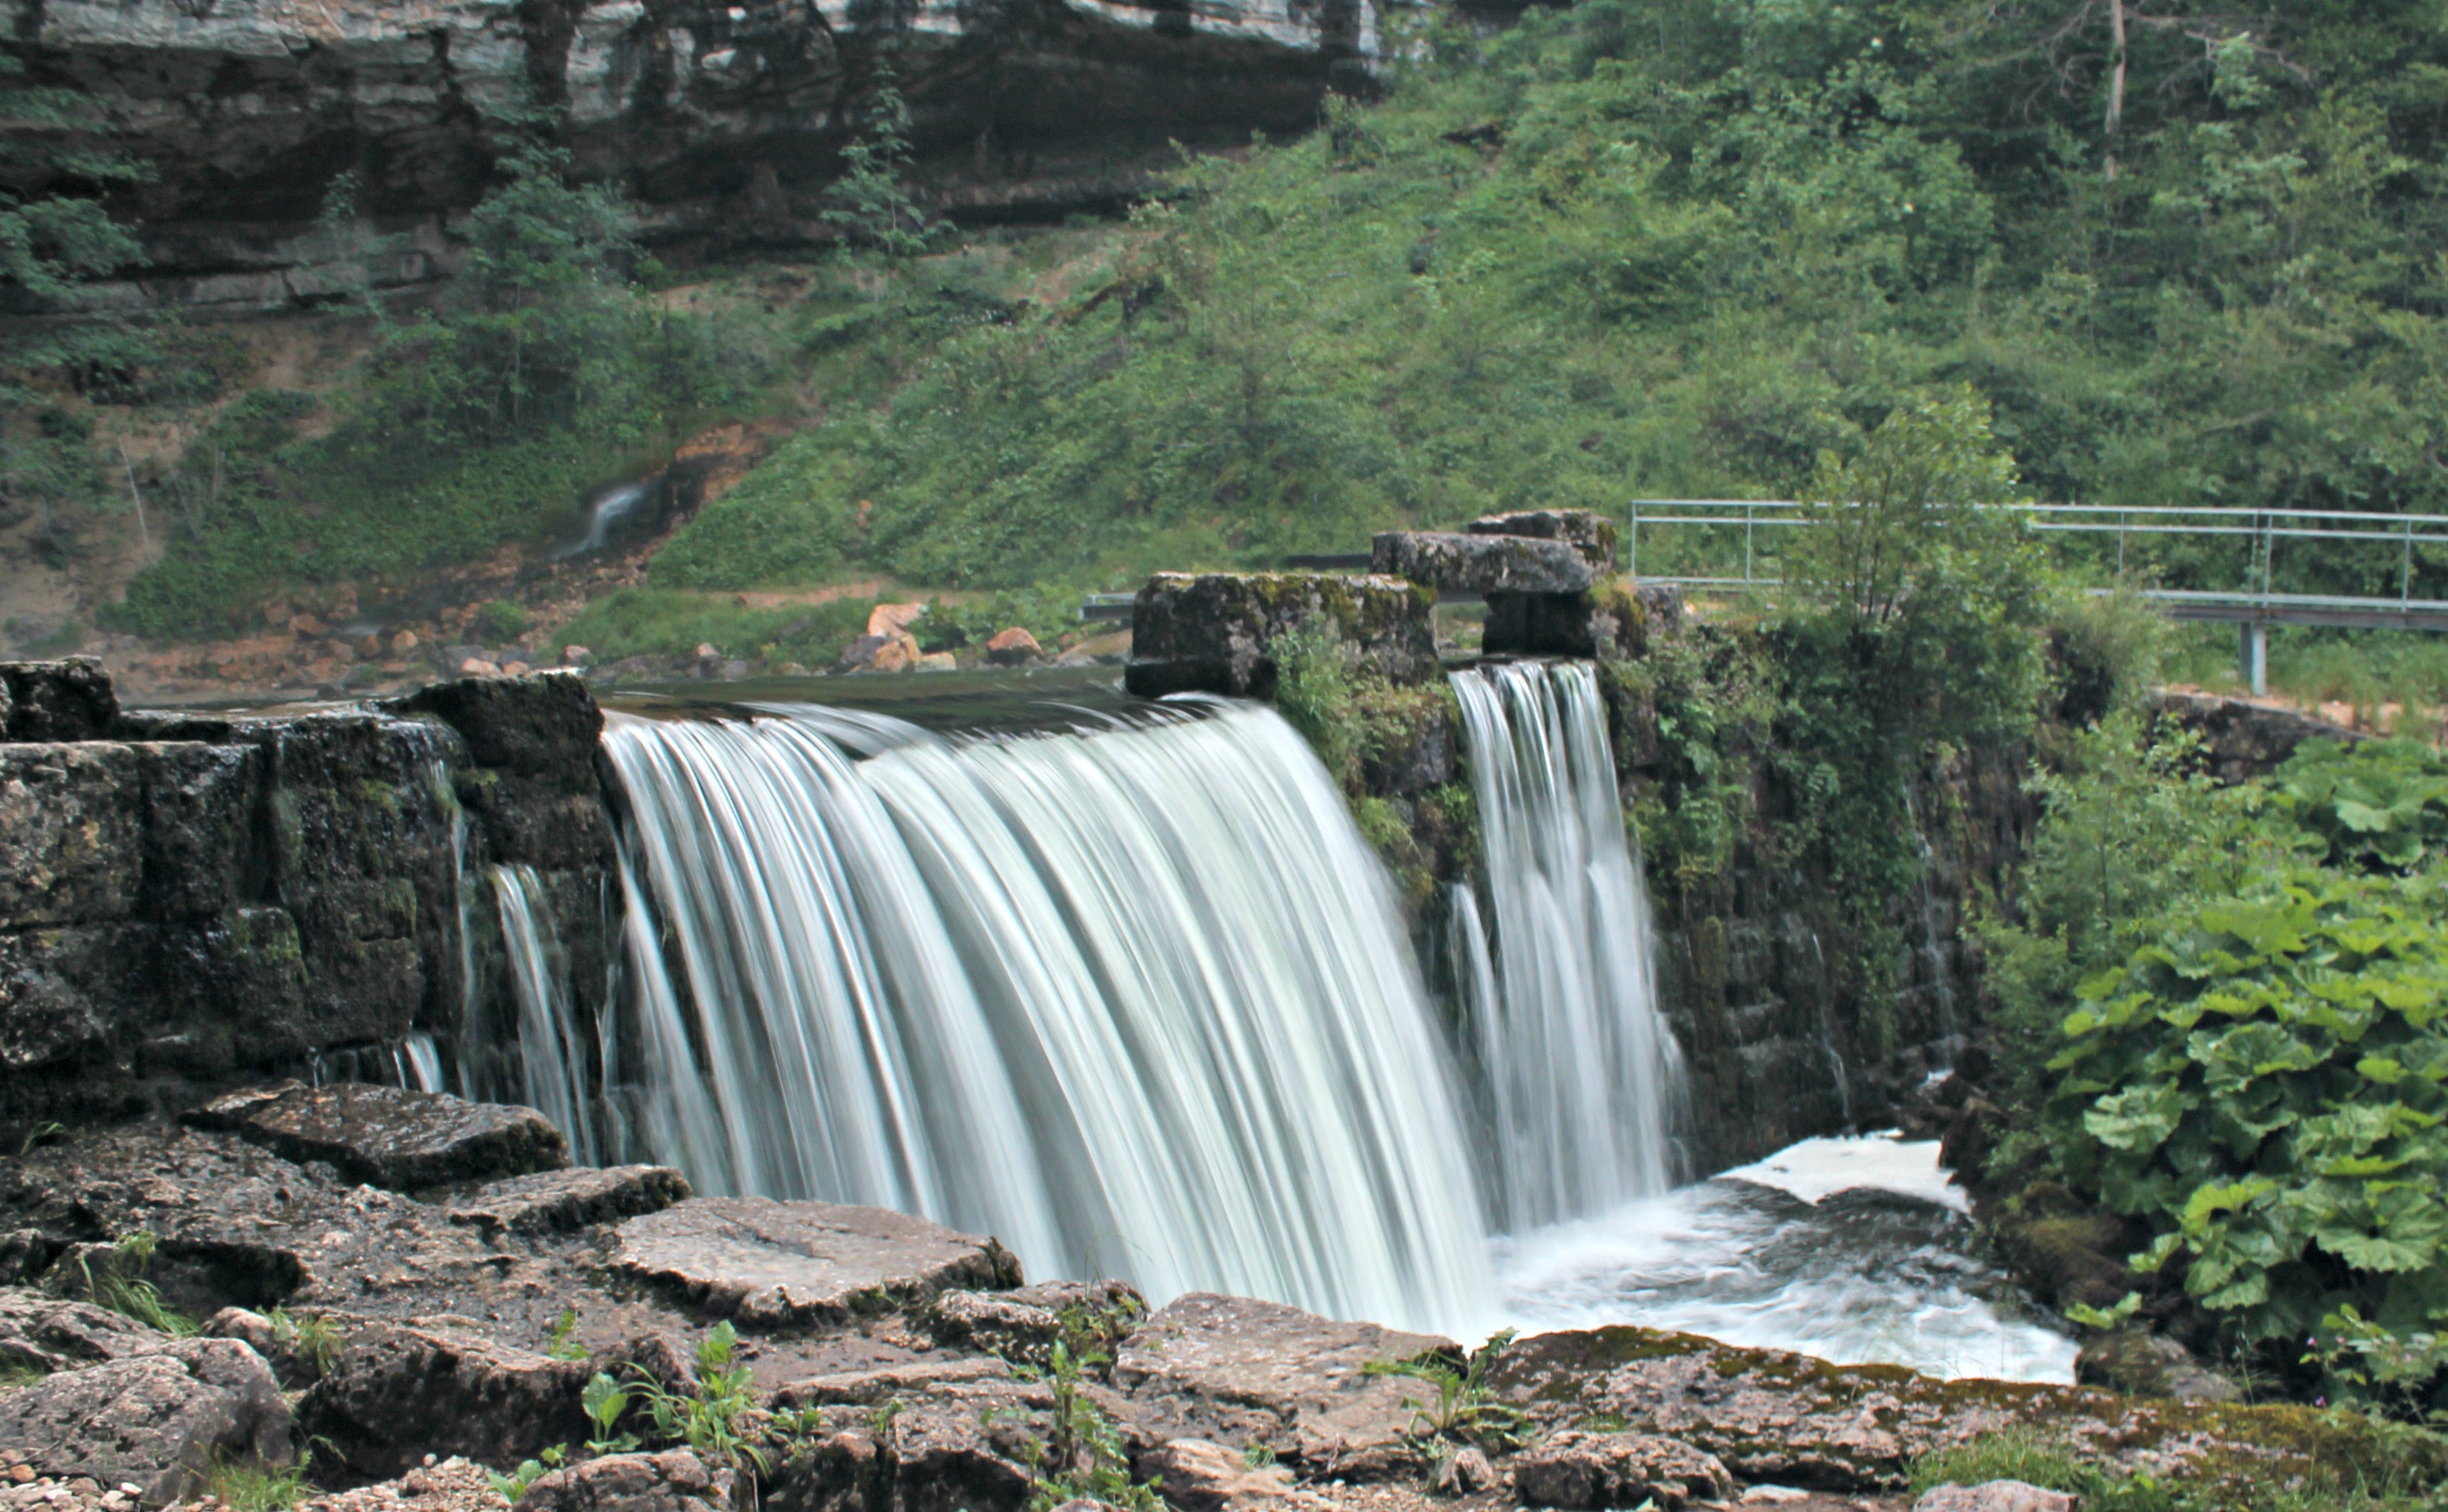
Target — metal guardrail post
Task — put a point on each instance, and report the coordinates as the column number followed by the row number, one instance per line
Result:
column 1631, row 544
column 2406, row 573
column 1748, row 514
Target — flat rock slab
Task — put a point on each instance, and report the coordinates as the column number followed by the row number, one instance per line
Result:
column 1577, row 1470
column 43, row 1332
column 1457, row 562
column 390, row 1137
column 156, row 1421
column 1993, row 1496
column 1586, row 531
column 777, row 1265
column 557, row 1202
column 1238, row 1371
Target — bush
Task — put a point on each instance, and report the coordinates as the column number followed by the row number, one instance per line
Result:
column 2262, row 1085
column 501, row 620
column 662, row 624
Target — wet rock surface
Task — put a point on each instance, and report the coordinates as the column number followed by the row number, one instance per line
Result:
column 56, row 701
column 392, row 1137
column 775, row 1264
column 1243, row 1373
column 396, row 1393
column 156, row 1421
column 550, row 1201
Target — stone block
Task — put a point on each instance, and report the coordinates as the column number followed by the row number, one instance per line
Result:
column 200, row 803
column 784, row 1264
column 1588, row 532
column 58, row 700
column 71, row 833
column 1461, row 562
column 159, row 1421
column 390, row 1137
column 1217, row 632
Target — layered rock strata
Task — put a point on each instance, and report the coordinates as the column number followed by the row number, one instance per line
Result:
column 726, row 119
column 190, row 900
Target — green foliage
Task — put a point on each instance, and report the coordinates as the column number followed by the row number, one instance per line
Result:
column 512, row 1485
column 542, row 373
column 119, row 1285
column 1315, row 688
column 562, row 1342
column 312, row 1336
column 1083, row 1456
column 664, row 624
column 1464, row 1410
column 2131, row 825
column 871, row 206
column 2261, row 1086
column 500, row 620
column 2354, row 1465
column 2381, row 806
column 606, row 1401
column 247, row 1486
column 716, row 1416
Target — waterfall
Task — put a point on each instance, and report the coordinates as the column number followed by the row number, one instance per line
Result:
column 1578, row 1065
column 1136, row 1000
column 552, row 1052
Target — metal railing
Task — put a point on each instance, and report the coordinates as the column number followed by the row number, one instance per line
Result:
column 2252, row 607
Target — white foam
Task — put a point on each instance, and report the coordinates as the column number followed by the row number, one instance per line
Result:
column 1816, row 1169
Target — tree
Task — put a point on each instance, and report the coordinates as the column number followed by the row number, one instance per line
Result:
column 871, row 205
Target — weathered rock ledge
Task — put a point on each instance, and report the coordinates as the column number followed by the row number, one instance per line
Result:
column 412, row 1342
column 190, row 900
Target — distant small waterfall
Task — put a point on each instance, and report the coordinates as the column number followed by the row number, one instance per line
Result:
column 1579, row 1068
column 1136, row 1000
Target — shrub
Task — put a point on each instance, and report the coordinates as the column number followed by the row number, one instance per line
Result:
column 2262, row 1085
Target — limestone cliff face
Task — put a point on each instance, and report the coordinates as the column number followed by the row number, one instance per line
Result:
column 726, row 119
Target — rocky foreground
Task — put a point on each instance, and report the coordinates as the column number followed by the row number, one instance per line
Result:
column 403, row 1291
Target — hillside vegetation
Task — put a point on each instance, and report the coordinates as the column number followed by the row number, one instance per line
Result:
column 1633, row 247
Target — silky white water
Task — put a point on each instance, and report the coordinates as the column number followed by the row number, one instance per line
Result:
column 552, row 1051
column 1135, row 1000
column 1853, row 1250
column 1579, row 1069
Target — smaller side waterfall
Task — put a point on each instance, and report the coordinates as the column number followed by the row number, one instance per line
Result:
column 1578, row 1067
column 551, row 1050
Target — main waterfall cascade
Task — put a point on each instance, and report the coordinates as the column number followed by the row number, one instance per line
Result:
column 1136, row 1000
column 1579, row 1068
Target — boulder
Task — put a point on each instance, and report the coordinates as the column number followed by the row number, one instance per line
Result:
column 770, row 1265
column 45, row 1333
column 544, row 724
column 937, row 661
column 889, row 619
column 2141, row 1364
column 1581, row 1469
column 1459, row 563
column 1217, row 632
column 552, row 1201
column 673, row 1480
column 390, row 1137
column 1590, row 534
column 1993, row 1496
column 57, row 701
column 157, row 1420
column 396, row 1393
column 2244, row 739
column 996, row 1322
column 1199, row 1476
column 899, row 653
column 1239, row 1371
column 1013, row 647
